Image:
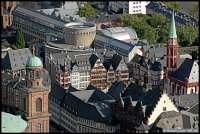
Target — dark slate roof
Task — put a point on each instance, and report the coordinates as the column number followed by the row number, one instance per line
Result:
column 148, row 98
column 57, row 92
column 9, row 79
column 194, row 109
column 134, row 90
column 93, row 60
column 66, row 62
column 107, row 63
column 157, row 52
column 142, row 43
column 82, row 104
column 169, row 114
column 16, row 59
column 185, row 101
column 116, row 59
column 167, row 120
column 97, row 95
column 117, row 89
column 104, row 18
column 184, row 71
column 148, row 63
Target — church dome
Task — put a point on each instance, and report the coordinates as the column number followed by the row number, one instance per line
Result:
column 34, row 62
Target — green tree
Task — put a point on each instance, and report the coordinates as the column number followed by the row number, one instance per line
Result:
column 187, row 35
column 157, row 20
column 87, row 11
column 143, row 30
column 163, row 32
column 195, row 10
column 175, row 5
column 20, row 43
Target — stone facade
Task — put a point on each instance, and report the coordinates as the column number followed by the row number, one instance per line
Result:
column 80, row 34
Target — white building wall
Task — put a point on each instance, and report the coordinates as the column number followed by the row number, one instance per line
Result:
column 163, row 102
column 132, row 7
column 133, row 52
column 194, row 75
column 75, row 79
column 190, row 90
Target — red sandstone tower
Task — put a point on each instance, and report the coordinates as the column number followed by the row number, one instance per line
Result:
column 172, row 48
column 36, row 97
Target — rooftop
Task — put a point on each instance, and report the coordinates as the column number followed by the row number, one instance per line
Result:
column 12, row 124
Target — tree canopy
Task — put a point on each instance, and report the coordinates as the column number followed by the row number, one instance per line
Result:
column 175, row 5
column 187, row 35
column 87, row 11
column 157, row 20
column 156, row 29
column 20, row 43
column 195, row 10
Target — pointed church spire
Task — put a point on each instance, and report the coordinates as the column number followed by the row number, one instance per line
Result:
column 172, row 30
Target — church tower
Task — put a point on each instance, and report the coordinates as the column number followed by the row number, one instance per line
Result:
column 35, row 99
column 172, row 48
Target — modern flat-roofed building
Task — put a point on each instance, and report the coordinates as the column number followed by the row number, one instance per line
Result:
column 126, row 34
column 38, row 25
column 130, row 7
column 126, row 50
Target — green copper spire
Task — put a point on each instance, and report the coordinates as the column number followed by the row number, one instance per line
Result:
column 172, row 30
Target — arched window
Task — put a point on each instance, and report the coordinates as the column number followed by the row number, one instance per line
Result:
column 37, row 75
column 38, row 128
column 39, row 105
column 31, row 75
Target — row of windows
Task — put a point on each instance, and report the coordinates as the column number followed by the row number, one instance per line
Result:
column 136, row 11
column 78, row 33
column 42, row 22
column 37, row 26
column 136, row 6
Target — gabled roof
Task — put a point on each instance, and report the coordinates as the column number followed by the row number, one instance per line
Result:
column 89, row 104
column 117, row 89
column 188, row 69
column 116, row 59
column 185, row 101
column 16, row 59
column 194, row 109
column 169, row 114
column 93, row 60
column 134, row 90
column 57, row 92
column 107, row 63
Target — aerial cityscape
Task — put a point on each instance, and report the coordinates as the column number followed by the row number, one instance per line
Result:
column 99, row 66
